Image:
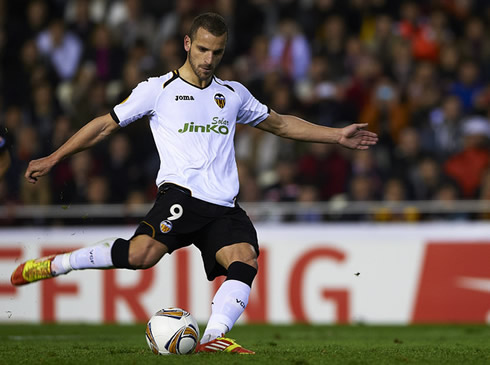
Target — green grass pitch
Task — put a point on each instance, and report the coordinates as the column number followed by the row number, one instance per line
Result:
column 298, row 344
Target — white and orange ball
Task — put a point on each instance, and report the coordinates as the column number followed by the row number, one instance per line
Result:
column 172, row 331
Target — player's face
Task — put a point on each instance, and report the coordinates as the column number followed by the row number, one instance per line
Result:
column 205, row 53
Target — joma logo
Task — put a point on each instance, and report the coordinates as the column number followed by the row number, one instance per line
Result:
column 183, row 97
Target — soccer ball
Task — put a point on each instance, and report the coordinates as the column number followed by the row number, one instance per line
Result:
column 172, row 331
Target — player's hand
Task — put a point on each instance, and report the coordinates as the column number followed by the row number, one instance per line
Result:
column 38, row 168
column 355, row 137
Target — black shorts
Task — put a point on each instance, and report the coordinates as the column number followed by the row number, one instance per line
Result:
column 178, row 220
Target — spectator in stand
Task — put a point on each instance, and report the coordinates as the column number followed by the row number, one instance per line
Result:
column 13, row 120
column 383, row 39
column 468, row 166
column 98, row 190
column 448, row 65
column 313, row 17
column 129, row 22
column 34, row 18
column 395, row 190
column 446, row 194
column 104, row 53
column 355, row 53
column 44, row 112
column 468, row 84
column 290, row 51
column 35, row 195
column 74, row 94
column 406, row 156
column 361, row 189
column 169, row 56
column 254, row 65
column 385, row 112
column 401, row 63
column 326, row 168
column 249, row 188
column 285, row 188
column 27, row 144
column 475, row 45
column 139, row 54
column 262, row 150
column 423, row 92
column 131, row 77
column 359, row 86
column 330, row 43
column 97, row 102
column 482, row 101
column 12, row 123
column 319, row 95
column 441, row 134
column 418, row 31
column 30, row 66
column 307, row 197
column 61, row 48
column 170, row 23
column 62, row 172
column 427, row 178
column 120, row 168
column 81, row 24
column 75, row 189
column 367, row 165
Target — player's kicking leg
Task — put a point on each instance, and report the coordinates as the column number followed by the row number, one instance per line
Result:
column 139, row 253
column 230, row 299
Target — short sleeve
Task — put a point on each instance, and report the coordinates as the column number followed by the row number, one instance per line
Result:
column 139, row 103
column 251, row 111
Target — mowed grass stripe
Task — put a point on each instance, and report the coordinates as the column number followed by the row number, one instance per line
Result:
column 297, row 344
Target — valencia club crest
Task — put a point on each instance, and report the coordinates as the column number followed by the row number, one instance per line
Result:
column 220, row 100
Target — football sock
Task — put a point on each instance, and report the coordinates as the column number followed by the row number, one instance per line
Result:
column 120, row 254
column 93, row 257
column 229, row 302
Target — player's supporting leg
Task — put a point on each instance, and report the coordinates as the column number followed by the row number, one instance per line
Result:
column 139, row 253
column 230, row 300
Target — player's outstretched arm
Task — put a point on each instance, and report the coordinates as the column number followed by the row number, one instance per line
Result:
column 89, row 135
column 353, row 136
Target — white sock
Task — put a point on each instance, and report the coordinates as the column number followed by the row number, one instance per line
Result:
column 227, row 306
column 93, row 257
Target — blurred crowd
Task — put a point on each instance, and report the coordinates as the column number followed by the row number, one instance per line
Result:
column 417, row 71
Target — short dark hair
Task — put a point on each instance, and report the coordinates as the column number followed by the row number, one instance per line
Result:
column 212, row 22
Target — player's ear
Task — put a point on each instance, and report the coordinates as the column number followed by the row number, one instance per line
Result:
column 187, row 43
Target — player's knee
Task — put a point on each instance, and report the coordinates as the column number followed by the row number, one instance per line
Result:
column 248, row 257
column 251, row 261
column 242, row 252
column 144, row 252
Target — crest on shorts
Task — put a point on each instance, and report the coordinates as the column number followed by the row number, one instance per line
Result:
column 165, row 226
column 220, row 100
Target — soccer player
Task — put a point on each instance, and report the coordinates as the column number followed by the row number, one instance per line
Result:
column 193, row 116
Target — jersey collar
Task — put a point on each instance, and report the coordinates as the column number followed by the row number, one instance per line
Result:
column 198, row 87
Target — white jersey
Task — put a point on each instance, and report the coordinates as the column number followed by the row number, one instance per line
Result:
column 194, row 130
